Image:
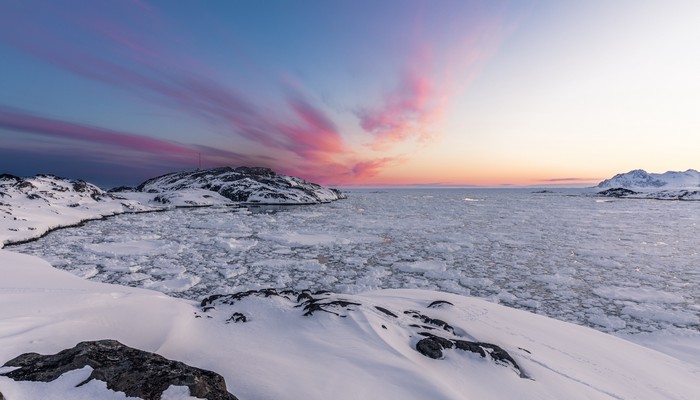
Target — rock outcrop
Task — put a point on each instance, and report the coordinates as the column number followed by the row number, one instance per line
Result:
column 231, row 308
column 617, row 192
column 135, row 372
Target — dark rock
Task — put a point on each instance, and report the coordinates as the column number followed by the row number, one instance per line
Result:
column 311, row 306
column 439, row 303
column 135, row 372
column 431, row 321
column 617, row 192
column 24, row 186
column 429, row 348
column 121, row 189
column 93, row 191
column 385, row 311
column 10, row 177
column 161, row 200
column 237, row 317
column 309, row 301
column 470, row 346
column 433, row 345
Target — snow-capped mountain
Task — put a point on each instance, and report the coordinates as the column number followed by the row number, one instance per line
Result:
column 244, row 185
column 640, row 179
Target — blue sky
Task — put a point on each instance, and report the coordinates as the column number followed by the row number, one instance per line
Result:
column 350, row 92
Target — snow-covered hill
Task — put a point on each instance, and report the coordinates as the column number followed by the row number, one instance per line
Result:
column 30, row 207
column 366, row 346
column 640, row 179
column 639, row 184
column 244, row 185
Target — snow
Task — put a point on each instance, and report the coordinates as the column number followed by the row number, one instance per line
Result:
column 246, row 185
column 63, row 388
column 640, row 179
column 283, row 355
column 43, row 203
column 629, row 269
column 180, row 198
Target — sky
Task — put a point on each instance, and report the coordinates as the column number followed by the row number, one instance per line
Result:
column 351, row 93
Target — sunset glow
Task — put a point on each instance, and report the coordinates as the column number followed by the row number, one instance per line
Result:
column 453, row 93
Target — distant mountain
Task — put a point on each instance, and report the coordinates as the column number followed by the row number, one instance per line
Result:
column 243, row 185
column 640, row 179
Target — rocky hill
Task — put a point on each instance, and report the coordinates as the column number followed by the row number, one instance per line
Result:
column 30, row 207
column 243, row 185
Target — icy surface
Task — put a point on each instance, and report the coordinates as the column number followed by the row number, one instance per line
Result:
column 618, row 266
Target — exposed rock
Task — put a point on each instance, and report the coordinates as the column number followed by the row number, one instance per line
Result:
column 135, row 372
column 617, row 192
column 385, row 311
column 244, row 185
column 304, row 299
column 310, row 302
column 439, row 303
column 121, row 189
column 688, row 195
column 430, row 347
column 10, row 177
column 237, row 317
column 433, row 345
column 679, row 194
column 431, row 321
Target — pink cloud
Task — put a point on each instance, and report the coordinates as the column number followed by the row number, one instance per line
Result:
column 110, row 143
column 134, row 63
column 416, row 106
column 411, row 110
column 314, row 136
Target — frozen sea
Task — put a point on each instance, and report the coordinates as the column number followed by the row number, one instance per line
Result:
column 622, row 266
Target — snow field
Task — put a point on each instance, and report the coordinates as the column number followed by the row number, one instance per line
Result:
column 281, row 354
